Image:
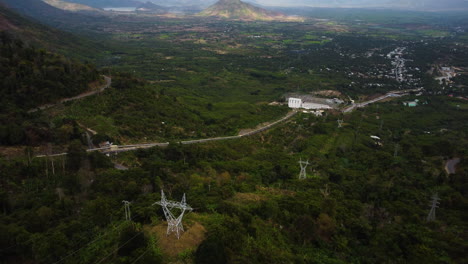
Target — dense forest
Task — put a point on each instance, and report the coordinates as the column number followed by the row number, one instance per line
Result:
column 370, row 180
column 31, row 77
column 363, row 202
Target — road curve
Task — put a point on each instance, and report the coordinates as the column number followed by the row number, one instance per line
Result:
column 80, row 96
column 124, row 148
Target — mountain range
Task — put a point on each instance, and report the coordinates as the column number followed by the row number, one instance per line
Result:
column 107, row 3
column 432, row 5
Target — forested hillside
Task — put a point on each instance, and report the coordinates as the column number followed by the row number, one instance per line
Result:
column 31, row 76
column 363, row 202
column 33, row 32
column 44, row 12
column 395, row 138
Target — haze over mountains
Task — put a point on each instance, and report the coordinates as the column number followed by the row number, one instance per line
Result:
column 431, row 5
column 400, row 4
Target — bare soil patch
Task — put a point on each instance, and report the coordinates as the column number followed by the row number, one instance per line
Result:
column 189, row 240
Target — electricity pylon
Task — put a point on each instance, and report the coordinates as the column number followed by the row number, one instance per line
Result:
column 434, row 204
column 174, row 224
column 128, row 215
column 340, row 123
column 303, row 164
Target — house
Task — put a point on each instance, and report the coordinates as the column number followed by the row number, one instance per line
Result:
column 412, row 103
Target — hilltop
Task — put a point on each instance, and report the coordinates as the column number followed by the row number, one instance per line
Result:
column 152, row 8
column 236, row 9
column 70, row 6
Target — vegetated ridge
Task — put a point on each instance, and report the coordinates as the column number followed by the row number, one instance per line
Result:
column 31, row 76
column 44, row 36
column 107, row 3
column 51, row 15
column 236, row 9
column 70, row 6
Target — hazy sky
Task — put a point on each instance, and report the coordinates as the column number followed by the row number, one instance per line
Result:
column 368, row 3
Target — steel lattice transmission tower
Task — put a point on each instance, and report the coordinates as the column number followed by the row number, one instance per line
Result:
column 340, row 123
column 303, row 174
column 174, row 224
column 128, row 215
column 434, row 204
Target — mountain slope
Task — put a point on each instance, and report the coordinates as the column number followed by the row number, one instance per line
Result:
column 31, row 76
column 44, row 36
column 51, row 15
column 151, row 8
column 70, row 6
column 107, row 3
column 236, row 9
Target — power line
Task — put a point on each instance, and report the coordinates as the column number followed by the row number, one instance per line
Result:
column 144, row 253
column 89, row 243
column 112, row 252
column 93, row 241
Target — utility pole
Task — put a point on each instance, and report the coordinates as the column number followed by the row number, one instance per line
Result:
column 63, row 164
column 174, row 224
column 46, row 160
column 381, row 124
column 49, row 152
column 395, row 153
column 303, row 173
column 128, row 215
column 434, row 204
column 325, row 192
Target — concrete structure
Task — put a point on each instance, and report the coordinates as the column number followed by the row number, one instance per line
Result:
column 296, row 103
column 314, row 106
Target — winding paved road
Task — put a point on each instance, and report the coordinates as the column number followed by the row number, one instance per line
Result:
column 80, row 96
column 380, row 98
column 124, row 148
